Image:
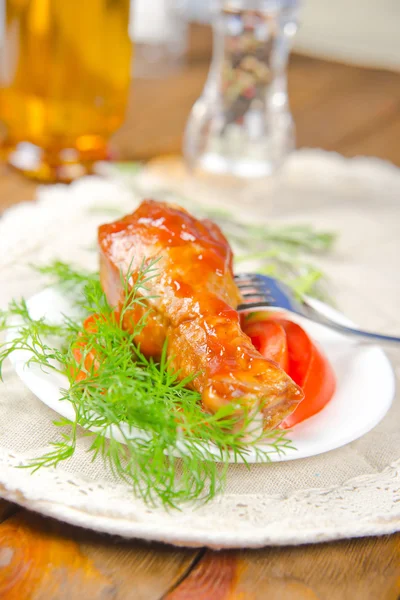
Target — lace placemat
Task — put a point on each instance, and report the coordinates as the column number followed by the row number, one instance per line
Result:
column 352, row 491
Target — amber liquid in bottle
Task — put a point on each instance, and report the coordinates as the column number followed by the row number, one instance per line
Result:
column 64, row 79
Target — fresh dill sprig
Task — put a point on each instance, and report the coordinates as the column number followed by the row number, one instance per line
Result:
column 148, row 426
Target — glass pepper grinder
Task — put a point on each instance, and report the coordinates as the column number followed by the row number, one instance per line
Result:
column 241, row 125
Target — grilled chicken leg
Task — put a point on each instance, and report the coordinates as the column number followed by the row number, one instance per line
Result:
column 193, row 298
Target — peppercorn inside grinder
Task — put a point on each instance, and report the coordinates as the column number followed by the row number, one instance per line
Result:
column 241, row 125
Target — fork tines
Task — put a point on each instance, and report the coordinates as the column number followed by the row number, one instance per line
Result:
column 253, row 288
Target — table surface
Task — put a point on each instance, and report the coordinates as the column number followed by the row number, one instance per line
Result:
column 337, row 107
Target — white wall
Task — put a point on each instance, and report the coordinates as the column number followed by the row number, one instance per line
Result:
column 366, row 32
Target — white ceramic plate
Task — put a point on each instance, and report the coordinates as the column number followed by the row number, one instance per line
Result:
column 365, row 384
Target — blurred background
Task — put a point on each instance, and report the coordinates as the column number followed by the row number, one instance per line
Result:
column 362, row 32
column 343, row 82
column 72, row 93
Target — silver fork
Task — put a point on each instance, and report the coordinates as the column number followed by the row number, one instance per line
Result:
column 263, row 292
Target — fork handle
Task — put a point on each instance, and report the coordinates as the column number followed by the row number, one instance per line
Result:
column 367, row 337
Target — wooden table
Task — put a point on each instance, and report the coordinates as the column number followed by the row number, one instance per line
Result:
column 340, row 108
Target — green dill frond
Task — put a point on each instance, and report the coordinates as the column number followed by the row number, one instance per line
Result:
column 64, row 274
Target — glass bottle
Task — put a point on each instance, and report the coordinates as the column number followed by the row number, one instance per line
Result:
column 65, row 70
column 241, row 125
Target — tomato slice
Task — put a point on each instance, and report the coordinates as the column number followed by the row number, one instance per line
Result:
column 91, row 362
column 302, row 360
column 311, row 370
column 269, row 338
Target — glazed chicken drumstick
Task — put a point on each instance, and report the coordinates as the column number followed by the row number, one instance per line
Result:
column 193, row 298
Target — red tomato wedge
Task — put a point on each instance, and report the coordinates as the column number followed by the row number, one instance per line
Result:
column 91, row 361
column 305, row 363
column 269, row 338
column 311, row 370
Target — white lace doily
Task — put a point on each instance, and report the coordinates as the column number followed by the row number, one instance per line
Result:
column 352, row 491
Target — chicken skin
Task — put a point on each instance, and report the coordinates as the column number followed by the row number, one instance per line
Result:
column 193, row 299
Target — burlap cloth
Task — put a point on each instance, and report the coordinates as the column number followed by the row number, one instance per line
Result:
column 352, row 491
